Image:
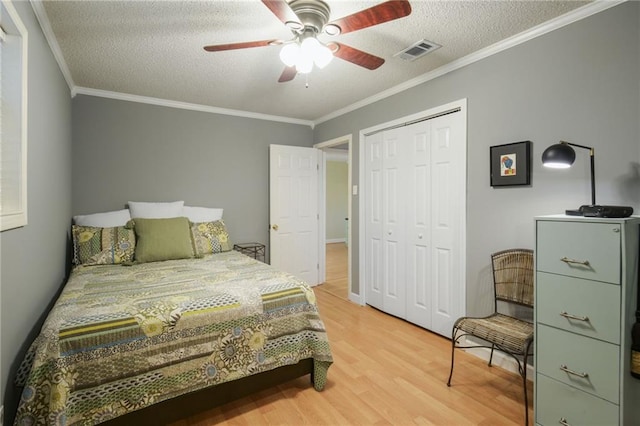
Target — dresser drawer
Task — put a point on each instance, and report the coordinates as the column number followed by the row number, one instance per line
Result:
column 590, row 308
column 556, row 401
column 582, row 250
column 599, row 361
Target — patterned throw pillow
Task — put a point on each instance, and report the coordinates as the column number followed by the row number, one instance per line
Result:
column 210, row 237
column 102, row 246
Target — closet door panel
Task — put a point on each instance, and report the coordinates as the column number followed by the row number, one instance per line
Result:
column 373, row 216
column 447, row 158
column 393, row 219
column 418, row 218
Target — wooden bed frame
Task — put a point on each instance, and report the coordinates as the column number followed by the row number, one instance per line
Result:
column 200, row 401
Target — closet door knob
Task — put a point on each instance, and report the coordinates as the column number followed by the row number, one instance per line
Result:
column 420, row 236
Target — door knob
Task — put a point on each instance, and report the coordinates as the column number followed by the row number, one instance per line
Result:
column 274, row 227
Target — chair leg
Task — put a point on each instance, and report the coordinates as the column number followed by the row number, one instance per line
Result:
column 453, row 347
column 524, row 384
column 491, row 355
column 526, row 401
column 524, row 380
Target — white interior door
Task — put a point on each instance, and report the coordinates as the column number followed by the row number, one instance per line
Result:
column 293, row 210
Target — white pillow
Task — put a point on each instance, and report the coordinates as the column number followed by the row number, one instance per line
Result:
column 156, row 210
column 202, row 214
column 103, row 220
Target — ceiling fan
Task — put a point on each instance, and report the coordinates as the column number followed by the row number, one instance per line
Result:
column 307, row 19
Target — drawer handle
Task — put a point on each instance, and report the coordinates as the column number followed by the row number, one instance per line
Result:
column 575, row 373
column 563, row 421
column 575, row 317
column 579, row 262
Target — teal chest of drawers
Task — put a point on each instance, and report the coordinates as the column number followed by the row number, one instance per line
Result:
column 586, row 292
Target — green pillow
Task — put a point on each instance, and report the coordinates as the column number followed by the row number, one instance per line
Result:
column 162, row 239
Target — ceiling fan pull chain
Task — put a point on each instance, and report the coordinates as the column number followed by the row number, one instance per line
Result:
column 306, row 81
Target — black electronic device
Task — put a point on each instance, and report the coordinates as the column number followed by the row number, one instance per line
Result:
column 602, row 211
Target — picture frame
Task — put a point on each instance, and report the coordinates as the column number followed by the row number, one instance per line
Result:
column 510, row 164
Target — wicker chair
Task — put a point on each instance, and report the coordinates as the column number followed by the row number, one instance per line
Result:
column 513, row 283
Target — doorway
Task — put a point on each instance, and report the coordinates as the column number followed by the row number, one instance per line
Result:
column 335, row 232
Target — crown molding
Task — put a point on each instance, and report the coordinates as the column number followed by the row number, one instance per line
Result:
column 554, row 24
column 185, row 105
column 47, row 30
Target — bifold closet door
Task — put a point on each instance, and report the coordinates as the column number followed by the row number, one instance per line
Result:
column 414, row 216
column 448, row 192
column 374, row 276
column 418, row 224
column 385, row 221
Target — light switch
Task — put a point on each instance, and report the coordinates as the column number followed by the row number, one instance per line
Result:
column 354, row 190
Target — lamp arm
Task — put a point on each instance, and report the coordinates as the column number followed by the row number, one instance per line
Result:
column 575, row 144
column 593, row 176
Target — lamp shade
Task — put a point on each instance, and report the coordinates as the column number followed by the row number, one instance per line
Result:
column 323, row 56
column 289, row 54
column 558, row 156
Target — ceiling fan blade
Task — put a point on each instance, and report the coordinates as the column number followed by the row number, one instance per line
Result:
column 244, row 45
column 281, row 9
column 355, row 56
column 288, row 74
column 383, row 12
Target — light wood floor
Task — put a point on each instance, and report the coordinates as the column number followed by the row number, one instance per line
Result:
column 386, row 371
column 336, row 271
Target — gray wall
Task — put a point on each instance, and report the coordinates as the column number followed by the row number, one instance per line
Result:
column 126, row 151
column 34, row 258
column 337, row 199
column 580, row 83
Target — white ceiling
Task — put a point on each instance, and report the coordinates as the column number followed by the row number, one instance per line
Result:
column 154, row 49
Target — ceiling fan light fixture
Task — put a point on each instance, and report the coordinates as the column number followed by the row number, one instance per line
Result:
column 303, row 55
column 322, row 56
column 289, row 54
column 304, row 65
column 309, row 45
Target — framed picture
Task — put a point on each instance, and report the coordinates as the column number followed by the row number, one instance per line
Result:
column 511, row 164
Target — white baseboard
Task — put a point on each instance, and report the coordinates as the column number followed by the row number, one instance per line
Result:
column 500, row 359
column 356, row 298
column 336, row 240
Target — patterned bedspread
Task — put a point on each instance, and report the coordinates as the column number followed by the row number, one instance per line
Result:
column 121, row 338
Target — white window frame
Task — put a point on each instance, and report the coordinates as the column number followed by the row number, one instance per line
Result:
column 14, row 32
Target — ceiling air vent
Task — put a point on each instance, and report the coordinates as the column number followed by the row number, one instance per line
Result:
column 417, row 50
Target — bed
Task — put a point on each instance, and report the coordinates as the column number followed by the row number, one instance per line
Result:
column 127, row 335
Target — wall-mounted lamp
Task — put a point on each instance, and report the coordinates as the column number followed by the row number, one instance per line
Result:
column 562, row 156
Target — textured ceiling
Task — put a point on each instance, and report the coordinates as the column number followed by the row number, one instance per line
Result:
column 155, row 49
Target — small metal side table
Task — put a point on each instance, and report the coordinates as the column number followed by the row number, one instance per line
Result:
column 255, row 250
